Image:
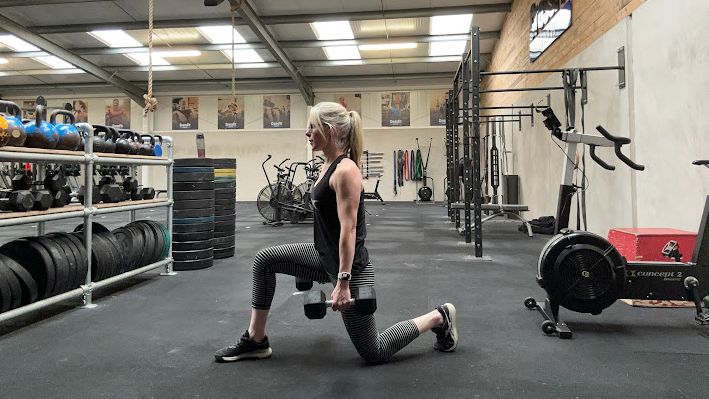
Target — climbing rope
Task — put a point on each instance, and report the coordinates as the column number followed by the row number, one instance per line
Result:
column 151, row 103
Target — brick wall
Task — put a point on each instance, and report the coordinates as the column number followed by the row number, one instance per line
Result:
column 590, row 20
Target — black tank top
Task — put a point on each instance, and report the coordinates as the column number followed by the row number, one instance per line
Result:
column 327, row 226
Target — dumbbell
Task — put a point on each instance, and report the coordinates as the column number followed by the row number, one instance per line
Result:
column 315, row 304
column 303, row 284
column 17, row 201
column 95, row 195
column 54, row 181
column 148, row 193
column 42, row 200
column 61, row 198
column 21, row 181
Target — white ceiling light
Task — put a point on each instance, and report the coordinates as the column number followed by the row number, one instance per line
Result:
column 342, row 53
column 143, row 59
column 387, row 46
column 332, row 30
column 243, row 56
column 16, row 44
column 453, row 47
column 177, row 53
column 450, row 24
column 3, row 60
column 220, row 34
column 54, row 62
column 115, row 38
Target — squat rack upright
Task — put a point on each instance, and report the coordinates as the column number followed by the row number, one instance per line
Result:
column 463, row 109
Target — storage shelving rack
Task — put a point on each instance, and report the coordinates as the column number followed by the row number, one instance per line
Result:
column 87, row 211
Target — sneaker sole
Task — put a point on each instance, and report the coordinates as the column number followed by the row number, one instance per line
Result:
column 454, row 329
column 262, row 354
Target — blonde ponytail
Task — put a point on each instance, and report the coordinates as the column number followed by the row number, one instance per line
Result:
column 346, row 127
column 356, row 138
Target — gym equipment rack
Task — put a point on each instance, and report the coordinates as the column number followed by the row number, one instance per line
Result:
column 465, row 110
column 88, row 210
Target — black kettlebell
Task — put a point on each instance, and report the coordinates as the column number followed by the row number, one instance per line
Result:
column 134, row 144
column 100, row 140
column 123, row 144
column 110, row 141
column 146, row 147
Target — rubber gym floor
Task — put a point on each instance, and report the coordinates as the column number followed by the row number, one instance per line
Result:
column 153, row 336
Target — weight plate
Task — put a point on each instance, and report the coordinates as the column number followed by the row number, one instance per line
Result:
column 67, row 247
column 110, row 258
column 180, row 256
column 193, row 177
column 159, row 239
column 196, row 204
column 198, row 220
column 230, row 207
column 193, row 265
column 224, row 242
column 224, row 192
column 225, row 197
column 230, row 219
column 222, row 234
column 224, row 170
column 61, row 265
column 194, row 227
column 146, row 252
column 97, row 247
column 218, row 184
column 36, row 260
column 225, row 227
column 224, row 163
column 224, row 253
column 193, row 186
column 198, row 162
column 192, row 245
column 95, row 228
column 179, row 196
column 127, row 239
column 11, row 291
column 196, row 236
column 223, row 179
column 193, row 213
column 224, row 212
column 192, row 170
column 162, row 231
column 80, row 254
column 27, row 283
column 225, row 173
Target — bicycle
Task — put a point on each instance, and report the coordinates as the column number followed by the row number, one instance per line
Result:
column 277, row 201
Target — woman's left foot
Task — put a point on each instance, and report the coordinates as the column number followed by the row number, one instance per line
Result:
column 447, row 333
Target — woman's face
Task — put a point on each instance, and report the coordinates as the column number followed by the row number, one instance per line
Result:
column 116, row 103
column 316, row 138
column 183, row 105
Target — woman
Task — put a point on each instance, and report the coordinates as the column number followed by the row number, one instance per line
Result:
column 80, row 111
column 338, row 253
column 116, row 116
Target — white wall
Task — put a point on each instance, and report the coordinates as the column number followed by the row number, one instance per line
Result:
column 661, row 109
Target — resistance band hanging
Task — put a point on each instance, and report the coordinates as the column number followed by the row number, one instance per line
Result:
column 396, row 173
column 494, row 163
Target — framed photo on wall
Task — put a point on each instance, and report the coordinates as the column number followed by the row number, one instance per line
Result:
column 230, row 113
column 28, row 109
column 437, row 107
column 396, row 109
column 118, row 113
column 276, row 112
column 351, row 101
column 185, row 113
column 81, row 111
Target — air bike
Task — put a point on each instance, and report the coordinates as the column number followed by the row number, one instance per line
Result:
column 585, row 273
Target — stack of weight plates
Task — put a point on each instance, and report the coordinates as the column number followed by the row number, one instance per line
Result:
column 224, row 207
column 193, row 213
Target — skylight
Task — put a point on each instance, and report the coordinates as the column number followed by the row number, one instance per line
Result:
column 115, row 38
column 220, row 34
column 342, row 53
column 16, row 44
column 332, row 30
column 54, row 62
column 450, row 24
column 143, row 59
column 387, row 46
column 243, row 56
column 3, row 60
column 452, row 47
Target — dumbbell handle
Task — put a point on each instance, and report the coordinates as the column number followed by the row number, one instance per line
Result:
column 329, row 303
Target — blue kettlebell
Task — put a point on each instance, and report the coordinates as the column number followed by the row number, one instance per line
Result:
column 69, row 137
column 157, row 147
column 14, row 124
column 40, row 133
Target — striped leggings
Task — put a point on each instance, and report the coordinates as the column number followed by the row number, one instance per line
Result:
column 302, row 260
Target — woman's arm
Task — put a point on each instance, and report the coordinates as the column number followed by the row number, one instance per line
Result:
column 347, row 183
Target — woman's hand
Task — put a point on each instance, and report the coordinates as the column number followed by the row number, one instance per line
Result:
column 341, row 297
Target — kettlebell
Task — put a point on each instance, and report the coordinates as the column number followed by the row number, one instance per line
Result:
column 4, row 132
column 110, row 140
column 157, row 147
column 100, row 140
column 40, row 133
column 15, row 128
column 69, row 137
column 123, row 144
column 134, row 144
column 146, row 147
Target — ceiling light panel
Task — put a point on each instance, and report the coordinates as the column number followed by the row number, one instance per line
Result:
column 115, row 38
column 450, row 24
column 16, row 44
column 3, row 60
column 243, row 56
column 333, row 30
column 342, row 53
column 220, row 34
column 54, row 62
column 143, row 59
column 453, row 47
column 387, row 46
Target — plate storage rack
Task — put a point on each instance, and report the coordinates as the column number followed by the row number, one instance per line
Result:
column 85, row 285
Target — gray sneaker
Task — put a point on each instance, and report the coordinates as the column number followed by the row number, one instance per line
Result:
column 244, row 349
column 446, row 334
